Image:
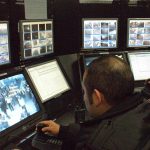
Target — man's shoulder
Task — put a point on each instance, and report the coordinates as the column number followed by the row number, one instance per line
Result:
column 130, row 128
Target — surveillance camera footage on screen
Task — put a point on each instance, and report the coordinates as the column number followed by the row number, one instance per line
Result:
column 37, row 38
column 99, row 33
column 139, row 32
column 4, row 44
column 17, row 101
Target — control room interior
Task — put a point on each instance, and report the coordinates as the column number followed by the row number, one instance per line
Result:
column 45, row 46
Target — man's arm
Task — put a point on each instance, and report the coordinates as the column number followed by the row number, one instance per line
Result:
column 69, row 132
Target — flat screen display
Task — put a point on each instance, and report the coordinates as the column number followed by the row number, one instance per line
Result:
column 99, row 33
column 4, row 43
column 17, row 101
column 140, row 65
column 138, row 32
column 36, row 38
column 88, row 59
column 48, row 79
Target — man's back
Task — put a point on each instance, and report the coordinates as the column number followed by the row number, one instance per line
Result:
column 127, row 129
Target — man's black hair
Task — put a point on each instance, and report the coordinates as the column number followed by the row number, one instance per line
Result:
column 110, row 75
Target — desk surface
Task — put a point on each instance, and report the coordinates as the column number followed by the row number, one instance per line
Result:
column 66, row 118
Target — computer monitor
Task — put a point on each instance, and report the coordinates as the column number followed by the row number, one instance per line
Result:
column 100, row 33
column 140, row 62
column 36, row 37
column 138, row 34
column 48, row 79
column 89, row 58
column 20, row 109
column 4, row 43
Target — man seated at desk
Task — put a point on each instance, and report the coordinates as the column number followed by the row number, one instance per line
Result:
column 120, row 118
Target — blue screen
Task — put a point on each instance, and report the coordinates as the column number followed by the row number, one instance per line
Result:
column 17, row 101
column 4, row 44
column 88, row 60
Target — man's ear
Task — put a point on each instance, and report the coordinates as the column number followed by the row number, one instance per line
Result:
column 97, row 97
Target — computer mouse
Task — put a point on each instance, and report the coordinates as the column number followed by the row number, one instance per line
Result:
column 39, row 127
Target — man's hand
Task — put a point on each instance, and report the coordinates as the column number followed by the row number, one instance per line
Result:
column 51, row 127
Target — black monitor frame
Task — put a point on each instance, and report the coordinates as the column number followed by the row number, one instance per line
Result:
column 96, row 55
column 83, row 56
column 9, row 61
column 128, row 34
column 19, row 131
column 99, row 48
column 30, row 22
column 62, row 71
column 138, row 83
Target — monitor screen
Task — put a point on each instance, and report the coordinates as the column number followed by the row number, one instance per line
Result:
column 140, row 65
column 89, row 58
column 138, row 32
column 48, row 80
column 4, row 43
column 36, row 38
column 17, row 101
column 99, row 33
column 20, row 109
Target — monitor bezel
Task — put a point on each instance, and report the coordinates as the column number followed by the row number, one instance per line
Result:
column 9, row 52
column 61, row 70
column 128, row 58
column 20, row 128
column 129, row 31
column 82, row 57
column 22, row 56
column 103, row 54
column 103, row 48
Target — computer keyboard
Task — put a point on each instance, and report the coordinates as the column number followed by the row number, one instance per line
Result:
column 46, row 142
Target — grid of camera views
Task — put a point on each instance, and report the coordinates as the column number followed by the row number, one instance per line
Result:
column 100, row 33
column 17, row 101
column 37, row 38
column 4, row 46
column 139, row 33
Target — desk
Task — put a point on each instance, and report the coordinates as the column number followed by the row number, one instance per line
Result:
column 66, row 118
column 25, row 144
